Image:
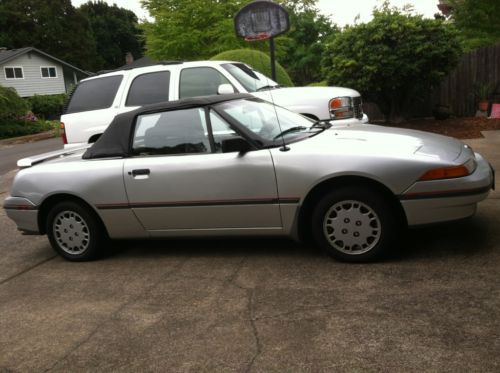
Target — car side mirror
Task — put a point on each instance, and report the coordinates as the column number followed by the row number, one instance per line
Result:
column 225, row 89
column 235, row 144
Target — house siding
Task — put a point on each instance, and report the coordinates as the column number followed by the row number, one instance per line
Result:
column 33, row 83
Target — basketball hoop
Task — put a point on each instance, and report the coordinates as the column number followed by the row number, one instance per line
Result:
column 259, row 36
column 261, row 20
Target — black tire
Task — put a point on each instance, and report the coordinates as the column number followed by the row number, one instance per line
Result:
column 75, row 232
column 354, row 224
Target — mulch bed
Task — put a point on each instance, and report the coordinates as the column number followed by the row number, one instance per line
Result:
column 460, row 128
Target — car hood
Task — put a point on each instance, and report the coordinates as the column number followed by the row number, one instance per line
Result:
column 385, row 141
column 285, row 96
column 321, row 91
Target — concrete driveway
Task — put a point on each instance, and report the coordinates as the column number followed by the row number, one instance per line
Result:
column 257, row 305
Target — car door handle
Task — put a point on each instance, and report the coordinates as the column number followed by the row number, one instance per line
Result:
column 142, row 171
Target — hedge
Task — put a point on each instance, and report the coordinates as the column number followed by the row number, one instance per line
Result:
column 323, row 83
column 258, row 60
column 15, row 128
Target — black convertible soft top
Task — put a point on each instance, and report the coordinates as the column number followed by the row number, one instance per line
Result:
column 115, row 141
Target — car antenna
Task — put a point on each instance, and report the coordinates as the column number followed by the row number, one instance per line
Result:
column 284, row 148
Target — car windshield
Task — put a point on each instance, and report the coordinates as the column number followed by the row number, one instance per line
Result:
column 271, row 123
column 252, row 80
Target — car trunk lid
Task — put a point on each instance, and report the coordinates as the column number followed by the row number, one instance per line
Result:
column 61, row 153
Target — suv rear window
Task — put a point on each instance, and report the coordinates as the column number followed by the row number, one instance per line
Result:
column 94, row 94
column 149, row 89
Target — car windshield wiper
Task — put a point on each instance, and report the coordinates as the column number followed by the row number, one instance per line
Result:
column 290, row 130
column 265, row 87
column 321, row 124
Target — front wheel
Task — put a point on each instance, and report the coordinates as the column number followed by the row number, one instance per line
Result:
column 75, row 232
column 354, row 224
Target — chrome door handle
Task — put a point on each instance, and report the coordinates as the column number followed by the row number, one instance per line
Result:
column 143, row 171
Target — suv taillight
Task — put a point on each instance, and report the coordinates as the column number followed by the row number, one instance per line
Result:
column 62, row 131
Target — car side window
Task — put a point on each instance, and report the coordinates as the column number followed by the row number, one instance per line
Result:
column 221, row 130
column 94, row 94
column 171, row 132
column 200, row 81
column 149, row 89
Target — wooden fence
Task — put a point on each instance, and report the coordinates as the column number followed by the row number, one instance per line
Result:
column 479, row 67
column 458, row 89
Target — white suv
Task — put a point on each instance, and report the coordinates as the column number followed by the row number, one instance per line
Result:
column 96, row 100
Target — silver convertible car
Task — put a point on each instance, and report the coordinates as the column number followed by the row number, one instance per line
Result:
column 234, row 165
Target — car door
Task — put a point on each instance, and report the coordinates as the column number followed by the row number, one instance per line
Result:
column 179, row 180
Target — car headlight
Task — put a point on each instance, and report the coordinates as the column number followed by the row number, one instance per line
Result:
column 450, row 172
column 341, row 108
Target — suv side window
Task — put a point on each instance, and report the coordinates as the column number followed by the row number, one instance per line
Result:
column 200, row 81
column 171, row 132
column 94, row 94
column 149, row 89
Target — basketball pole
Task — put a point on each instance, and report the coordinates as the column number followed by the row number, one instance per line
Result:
column 273, row 58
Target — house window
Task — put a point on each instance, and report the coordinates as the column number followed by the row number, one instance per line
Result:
column 48, row 72
column 14, row 72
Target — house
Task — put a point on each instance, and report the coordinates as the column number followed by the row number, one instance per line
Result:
column 33, row 72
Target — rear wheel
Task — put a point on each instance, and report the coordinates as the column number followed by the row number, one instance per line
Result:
column 354, row 224
column 75, row 232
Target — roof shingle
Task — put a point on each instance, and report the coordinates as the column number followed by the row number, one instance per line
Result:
column 9, row 54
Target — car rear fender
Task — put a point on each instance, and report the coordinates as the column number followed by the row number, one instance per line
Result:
column 52, row 200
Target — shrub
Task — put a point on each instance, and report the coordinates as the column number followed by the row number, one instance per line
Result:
column 11, row 105
column 393, row 60
column 14, row 128
column 47, row 107
column 258, row 60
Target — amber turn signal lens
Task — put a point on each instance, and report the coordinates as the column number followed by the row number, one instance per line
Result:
column 445, row 173
column 336, row 103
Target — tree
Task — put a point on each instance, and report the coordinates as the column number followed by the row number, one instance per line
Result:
column 50, row 25
column 303, row 46
column 477, row 20
column 198, row 29
column 191, row 29
column 394, row 59
column 115, row 31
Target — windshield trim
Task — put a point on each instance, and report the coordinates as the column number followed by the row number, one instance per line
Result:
column 261, row 142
